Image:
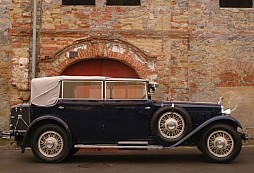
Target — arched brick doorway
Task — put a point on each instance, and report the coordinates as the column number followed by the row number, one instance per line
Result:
column 120, row 52
column 100, row 67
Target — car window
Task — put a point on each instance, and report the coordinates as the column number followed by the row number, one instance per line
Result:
column 82, row 89
column 126, row 90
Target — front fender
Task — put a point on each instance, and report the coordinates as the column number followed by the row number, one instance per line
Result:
column 226, row 119
column 43, row 120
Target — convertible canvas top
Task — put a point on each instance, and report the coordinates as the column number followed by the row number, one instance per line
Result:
column 45, row 91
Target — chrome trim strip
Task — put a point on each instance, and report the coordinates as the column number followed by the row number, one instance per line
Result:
column 118, row 147
column 132, row 143
column 19, row 131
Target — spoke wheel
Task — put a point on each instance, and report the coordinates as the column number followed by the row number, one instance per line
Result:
column 50, row 143
column 170, row 124
column 220, row 143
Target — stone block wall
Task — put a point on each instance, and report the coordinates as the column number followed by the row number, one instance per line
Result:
column 5, row 62
column 15, row 34
column 157, row 28
column 196, row 50
column 221, row 57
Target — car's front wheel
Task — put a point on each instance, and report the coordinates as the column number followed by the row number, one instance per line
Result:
column 50, row 143
column 220, row 143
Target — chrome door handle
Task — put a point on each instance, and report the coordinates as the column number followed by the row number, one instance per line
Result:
column 60, row 107
column 147, row 107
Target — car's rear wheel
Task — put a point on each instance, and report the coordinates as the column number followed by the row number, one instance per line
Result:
column 220, row 143
column 170, row 124
column 50, row 143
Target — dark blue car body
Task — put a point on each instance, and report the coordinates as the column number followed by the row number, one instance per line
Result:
column 112, row 121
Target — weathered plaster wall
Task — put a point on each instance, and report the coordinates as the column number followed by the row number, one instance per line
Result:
column 221, row 56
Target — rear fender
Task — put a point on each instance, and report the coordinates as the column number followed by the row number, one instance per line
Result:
column 52, row 119
column 226, row 119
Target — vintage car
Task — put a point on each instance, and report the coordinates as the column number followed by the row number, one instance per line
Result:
column 67, row 113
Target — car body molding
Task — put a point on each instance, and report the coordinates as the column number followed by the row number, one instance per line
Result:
column 38, row 120
column 205, row 124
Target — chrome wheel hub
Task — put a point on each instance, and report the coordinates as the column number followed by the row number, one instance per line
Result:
column 171, row 125
column 220, row 143
column 50, row 144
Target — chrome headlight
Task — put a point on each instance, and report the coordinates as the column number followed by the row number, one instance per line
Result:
column 227, row 112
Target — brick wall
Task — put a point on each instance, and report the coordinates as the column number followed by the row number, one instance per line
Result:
column 194, row 49
column 15, row 33
column 5, row 61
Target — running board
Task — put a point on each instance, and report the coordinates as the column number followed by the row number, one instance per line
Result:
column 141, row 147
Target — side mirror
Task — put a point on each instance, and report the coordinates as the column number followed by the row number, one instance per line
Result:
column 152, row 88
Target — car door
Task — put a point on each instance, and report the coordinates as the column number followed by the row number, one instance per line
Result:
column 127, row 111
column 81, row 106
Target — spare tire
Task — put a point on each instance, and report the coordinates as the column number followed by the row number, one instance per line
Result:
column 170, row 124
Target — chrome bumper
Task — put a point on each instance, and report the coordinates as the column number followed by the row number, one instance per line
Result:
column 6, row 135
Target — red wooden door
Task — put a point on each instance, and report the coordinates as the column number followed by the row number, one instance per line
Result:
column 100, row 67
